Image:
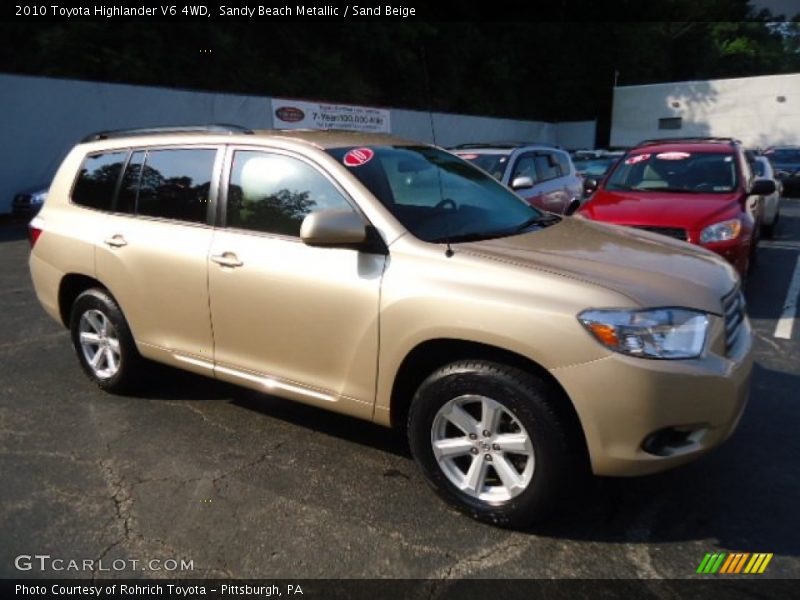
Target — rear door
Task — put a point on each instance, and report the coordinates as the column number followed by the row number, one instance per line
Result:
column 154, row 249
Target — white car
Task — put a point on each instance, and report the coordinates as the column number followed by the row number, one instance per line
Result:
column 772, row 203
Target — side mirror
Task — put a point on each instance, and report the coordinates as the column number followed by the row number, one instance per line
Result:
column 589, row 186
column 762, row 187
column 333, row 228
column 522, row 183
column 573, row 206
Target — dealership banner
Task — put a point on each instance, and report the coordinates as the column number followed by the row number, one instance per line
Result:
column 298, row 114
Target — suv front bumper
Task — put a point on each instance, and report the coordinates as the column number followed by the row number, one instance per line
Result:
column 622, row 402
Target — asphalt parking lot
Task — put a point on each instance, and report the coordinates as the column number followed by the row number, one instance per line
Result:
column 245, row 485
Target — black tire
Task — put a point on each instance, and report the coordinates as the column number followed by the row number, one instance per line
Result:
column 768, row 231
column 130, row 365
column 559, row 453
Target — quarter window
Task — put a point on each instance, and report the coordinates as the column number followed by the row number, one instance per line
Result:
column 97, row 180
column 273, row 193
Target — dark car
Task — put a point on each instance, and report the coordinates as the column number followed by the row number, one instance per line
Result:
column 701, row 191
column 595, row 167
column 543, row 175
column 786, row 162
column 28, row 203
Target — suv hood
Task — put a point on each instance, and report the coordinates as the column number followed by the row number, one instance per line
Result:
column 688, row 211
column 650, row 269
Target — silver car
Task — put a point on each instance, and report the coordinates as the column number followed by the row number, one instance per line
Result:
column 771, row 205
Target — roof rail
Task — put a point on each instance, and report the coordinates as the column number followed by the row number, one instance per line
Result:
column 678, row 140
column 215, row 128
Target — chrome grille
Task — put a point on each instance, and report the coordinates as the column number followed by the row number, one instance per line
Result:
column 673, row 232
column 734, row 310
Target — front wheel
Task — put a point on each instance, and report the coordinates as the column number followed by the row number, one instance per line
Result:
column 103, row 342
column 491, row 442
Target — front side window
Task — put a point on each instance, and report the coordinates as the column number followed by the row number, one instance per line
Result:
column 175, row 184
column 437, row 196
column 97, row 180
column 675, row 171
column 525, row 167
column 273, row 193
column 493, row 163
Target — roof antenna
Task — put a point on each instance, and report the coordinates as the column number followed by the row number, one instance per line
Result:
column 449, row 249
column 428, row 92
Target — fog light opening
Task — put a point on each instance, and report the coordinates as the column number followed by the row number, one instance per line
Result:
column 671, row 440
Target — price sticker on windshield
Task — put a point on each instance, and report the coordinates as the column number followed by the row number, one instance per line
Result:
column 673, row 155
column 358, row 157
column 637, row 159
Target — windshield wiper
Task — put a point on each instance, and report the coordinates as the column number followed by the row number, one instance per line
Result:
column 476, row 236
column 545, row 220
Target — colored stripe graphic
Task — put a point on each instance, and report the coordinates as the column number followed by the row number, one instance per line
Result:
column 734, row 563
column 702, row 567
column 722, row 563
column 711, row 563
column 758, row 564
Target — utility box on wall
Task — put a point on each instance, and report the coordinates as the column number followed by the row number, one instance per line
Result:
column 760, row 111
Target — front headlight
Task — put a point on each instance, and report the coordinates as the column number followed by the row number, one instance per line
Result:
column 721, row 232
column 653, row 333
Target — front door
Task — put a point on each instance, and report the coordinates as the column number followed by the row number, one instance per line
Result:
column 288, row 318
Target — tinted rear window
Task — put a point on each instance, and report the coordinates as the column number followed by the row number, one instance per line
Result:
column 97, row 180
column 175, row 184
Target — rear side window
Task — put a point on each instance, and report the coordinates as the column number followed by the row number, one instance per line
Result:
column 97, row 180
column 175, row 184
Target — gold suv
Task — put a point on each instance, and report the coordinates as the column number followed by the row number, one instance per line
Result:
column 395, row 282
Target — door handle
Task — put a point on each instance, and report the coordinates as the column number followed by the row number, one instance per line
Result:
column 227, row 259
column 116, row 241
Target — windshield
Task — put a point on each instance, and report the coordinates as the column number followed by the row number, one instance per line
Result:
column 437, row 196
column 493, row 163
column 784, row 155
column 687, row 172
column 593, row 167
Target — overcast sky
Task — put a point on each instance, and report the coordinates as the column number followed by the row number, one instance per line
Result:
column 788, row 8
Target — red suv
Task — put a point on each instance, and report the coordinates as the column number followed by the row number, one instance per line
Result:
column 699, row 190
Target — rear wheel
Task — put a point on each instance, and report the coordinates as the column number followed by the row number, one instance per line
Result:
column 490, row 441
column 103, row 342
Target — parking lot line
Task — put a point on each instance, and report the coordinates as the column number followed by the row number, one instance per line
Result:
column 783, row 329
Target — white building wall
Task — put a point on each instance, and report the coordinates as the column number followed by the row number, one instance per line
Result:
column 745, row 108
column 41, row 119
column 576, row 135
